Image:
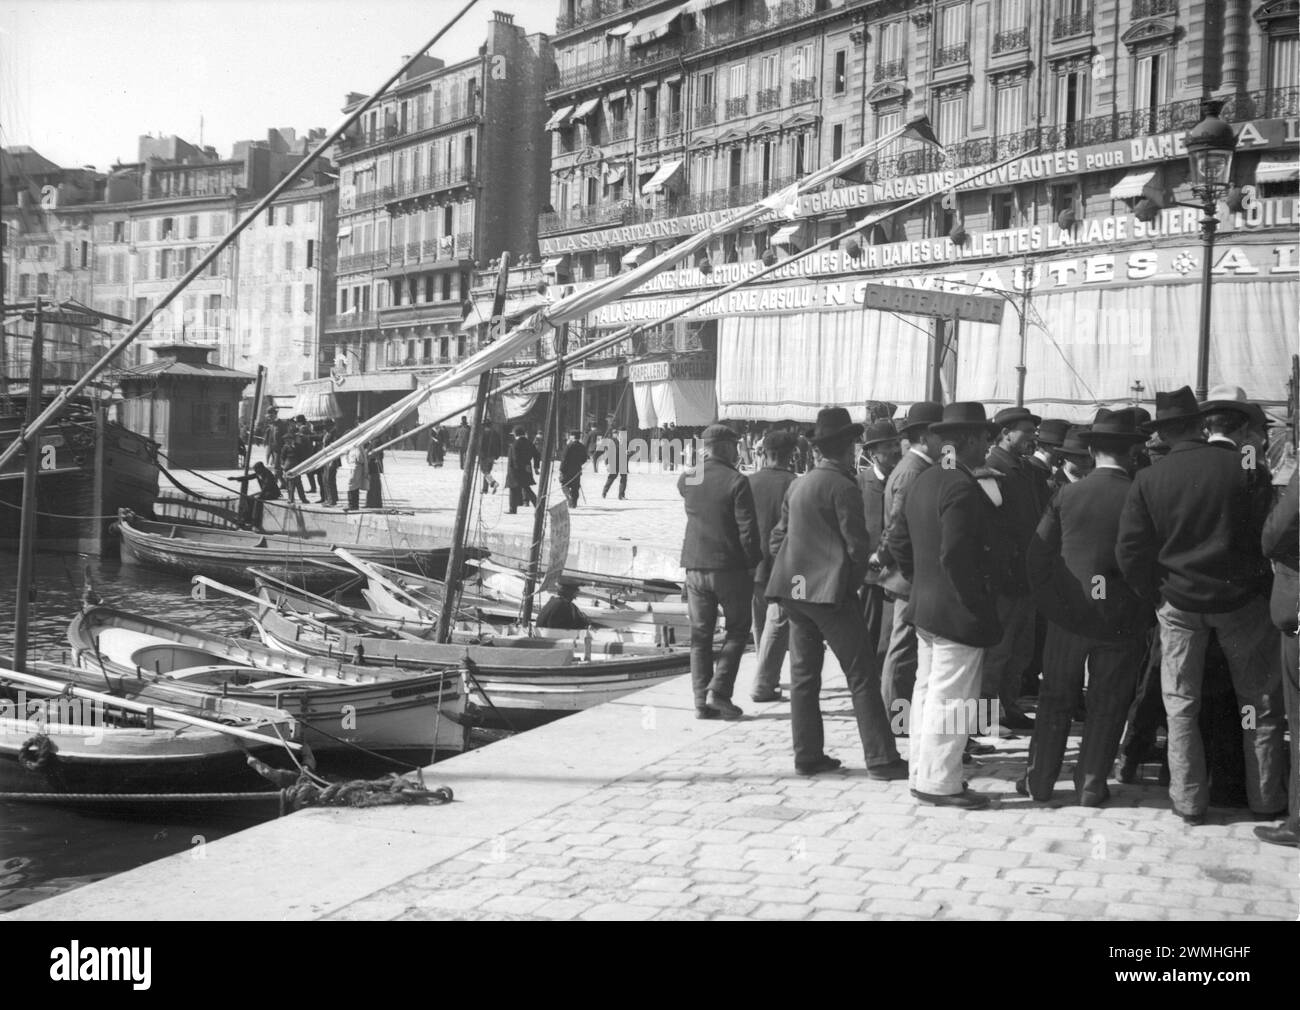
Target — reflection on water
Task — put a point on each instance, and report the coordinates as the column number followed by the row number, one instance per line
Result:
column 46, row 850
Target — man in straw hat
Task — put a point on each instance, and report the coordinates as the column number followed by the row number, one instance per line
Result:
column 820, row 552
column 719, row 552
column 945, row 543
column 898, row 671
column 1094, row 618
column 1189, row 543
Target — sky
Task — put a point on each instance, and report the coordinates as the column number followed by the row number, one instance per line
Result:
column 82, row 80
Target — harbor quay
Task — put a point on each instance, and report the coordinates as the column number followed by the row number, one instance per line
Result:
column 637, row 810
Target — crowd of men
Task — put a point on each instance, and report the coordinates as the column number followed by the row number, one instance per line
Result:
column 956, row 563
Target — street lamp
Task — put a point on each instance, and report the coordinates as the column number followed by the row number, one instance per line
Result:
column 1210, row 145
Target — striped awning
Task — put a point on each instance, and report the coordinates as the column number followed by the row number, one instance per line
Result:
column 1132, row 186
column 585, row 109
column 1277, row 168
column 559, row 117
column 654, row 26
column 662, row 175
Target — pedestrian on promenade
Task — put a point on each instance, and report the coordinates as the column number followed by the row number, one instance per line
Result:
column 1189, row 544
column 615, row 449
column 771, row 627
column 521, row 461
column 297, row 447
column 1018, row 514
column 436, row 452
column 883, row 450
column 1094, row 618
column 489, row 449
column 329, row 482
column 945, row 543
column 575, row 455
column 374, row 482
column 820, row 552
column 1281, row 543
column 461, row 440
column 898, row 671
column 592, row 443
column 309, row 444
column 358, row 473
column 720, row 552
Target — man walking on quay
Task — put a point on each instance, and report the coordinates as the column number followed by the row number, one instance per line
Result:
column 944, row 542
column 460, row 440
column 1023, row 499
column 883, row 450
column 1094, row 618
column 489, row 450
column 719, row 552
column 521, row 461
column 771, row 627
column 614, row 448
column 1189, row 544
column 820, row 552
column 898, row 672
column 575, row 455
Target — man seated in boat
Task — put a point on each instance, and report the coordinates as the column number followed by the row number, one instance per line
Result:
column 251, row 506
column 560, row 611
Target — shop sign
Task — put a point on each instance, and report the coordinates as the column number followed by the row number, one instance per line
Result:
column 918, row 302
column 661, row 371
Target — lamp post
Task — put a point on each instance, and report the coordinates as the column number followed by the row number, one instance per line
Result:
column 1210, row 146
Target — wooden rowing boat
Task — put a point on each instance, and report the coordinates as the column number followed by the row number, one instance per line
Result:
column 341, row 705
column 189, row 548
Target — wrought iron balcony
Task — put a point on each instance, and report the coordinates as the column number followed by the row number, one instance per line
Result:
column 768, row 98
column 589, row 215
column 1011, row 40
column 350, row 321
column 1152, row 8
column 803, row 90
column 618, row 130
column 673, row 123
column 737, row 106
column 705, row 115
column 359, row 262
column 950, row 55
column 732, row 196
column 1071, row 25
column 649, row 128
column 892, row 70
column 431, row 183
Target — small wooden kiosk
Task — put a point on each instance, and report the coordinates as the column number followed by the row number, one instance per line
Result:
column 186, row 404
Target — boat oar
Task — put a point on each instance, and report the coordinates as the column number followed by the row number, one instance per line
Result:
column 111, row 701
column 371, row 572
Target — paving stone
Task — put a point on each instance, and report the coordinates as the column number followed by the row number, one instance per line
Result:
column 617, row 912
column 662, row 884
column 782, row 895
column 780, row 910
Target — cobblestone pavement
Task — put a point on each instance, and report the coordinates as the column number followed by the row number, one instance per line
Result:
column 722, row 828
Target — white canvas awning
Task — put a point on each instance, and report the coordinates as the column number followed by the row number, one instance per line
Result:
column 618, row 31
column 559, row 117
column 786, row 235
column 1277, row 168
column 653, row 26
column 585, row 109
column 345, row 231
column 555, row 264
column 1132, row 186
column 635, row 257
column 662, row 174
column 615, row 173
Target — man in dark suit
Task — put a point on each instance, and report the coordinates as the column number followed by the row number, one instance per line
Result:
column 489, row 450
column 944, row 543
column 771, row 627
column 1189, row 543
column 898, row 672
column 820, row 551
column 1281, row 543
column 522, row 459
column 883, row 451
column 720, row 553
column 614, row 447
column 1041, row 464
column 575, row 455
column 1094, row 619
column 1005, row 662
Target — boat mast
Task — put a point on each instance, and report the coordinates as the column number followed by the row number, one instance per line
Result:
column 252, row 437
column 456, row 559
column 27, row 531
column 553, row 416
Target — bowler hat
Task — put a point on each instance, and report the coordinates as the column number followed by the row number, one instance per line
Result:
column 1008, row 416
column 961, row 416
column 1111, row 427
column 777, row 442
column 719, row 433
column 1234, row 398
column 834, row 423
column 880, row 431
column 1180, row 405
column 1051, row 431
column 1073, row 445
column 921, row 414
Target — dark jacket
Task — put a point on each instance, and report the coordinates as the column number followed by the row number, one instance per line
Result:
column 1018, row 517
column 820, row 547
column 873, row 501
column 1190, row 530
column 769, row 486
column 945, row 545
column 721, row 529
column 1042, row 479
column 561, row 613
column 489, row 444
column 1281, row 543
column 523, row 456
column 575, row 455
column 900, row 479
column 1072, row 572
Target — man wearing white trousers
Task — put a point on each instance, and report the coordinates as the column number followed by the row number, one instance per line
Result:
column 945, row 546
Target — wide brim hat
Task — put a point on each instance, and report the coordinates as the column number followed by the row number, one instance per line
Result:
column 1008, row 416
column 1179, row 405
column 961, row 416
column 1052, row 431
column 878, row 432
column 1234, row 398
column 921, row 414
column 834, row 424
column 1073, row 445
column 1117, row 427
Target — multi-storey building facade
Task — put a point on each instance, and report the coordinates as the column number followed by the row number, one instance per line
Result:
column 665, row 115
column 446, row 171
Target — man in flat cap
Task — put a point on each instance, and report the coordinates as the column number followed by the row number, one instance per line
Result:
column 771, row 627
column 720, row 553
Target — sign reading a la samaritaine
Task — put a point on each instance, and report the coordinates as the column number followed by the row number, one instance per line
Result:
column 918, row 302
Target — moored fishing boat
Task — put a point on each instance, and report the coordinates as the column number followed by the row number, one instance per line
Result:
column 340, row 705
